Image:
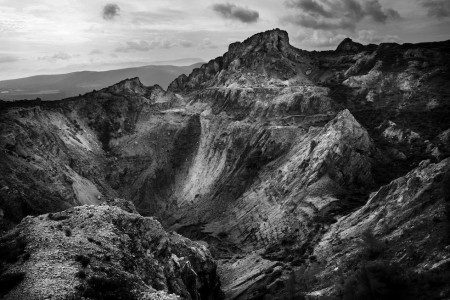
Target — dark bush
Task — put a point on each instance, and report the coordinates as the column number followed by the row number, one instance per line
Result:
column 10, row 250
column 446, row 193
column 9, row 281
column 68, row 231
column 373, row 247
column 26, row 256
column 377, row 280
column 83, row 259
column 109, row 288
column 81, row 274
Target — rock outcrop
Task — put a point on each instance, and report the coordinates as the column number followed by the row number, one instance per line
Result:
column 404, row 224
column 103, row 252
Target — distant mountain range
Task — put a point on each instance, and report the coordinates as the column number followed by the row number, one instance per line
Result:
column 58, row 86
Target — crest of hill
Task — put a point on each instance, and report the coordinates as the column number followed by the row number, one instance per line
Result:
column 267, row 53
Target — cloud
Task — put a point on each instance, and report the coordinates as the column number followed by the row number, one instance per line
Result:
column 310, row 6
column 207, row 44
column 316, row 23
column 110, row 11
column 95, row 52
column 58, row 56
column 234, row 12
column 328, row 39
column 370, row 37
column 7, row 59
column 339, row 14
column 186, row 43
column 143, row 46
column 437, row 8
column 321, row 39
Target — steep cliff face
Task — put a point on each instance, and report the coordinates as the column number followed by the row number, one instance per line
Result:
column 404, row 224
column 56, row 154
column 258, row 185
column 50, row 161
column 268, row 153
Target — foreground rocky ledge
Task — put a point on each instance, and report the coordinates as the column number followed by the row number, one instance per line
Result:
column 103, row 252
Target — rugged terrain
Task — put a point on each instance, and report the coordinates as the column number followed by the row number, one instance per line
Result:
column 303, row 171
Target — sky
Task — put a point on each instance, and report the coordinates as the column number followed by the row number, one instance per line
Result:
column 59, row 36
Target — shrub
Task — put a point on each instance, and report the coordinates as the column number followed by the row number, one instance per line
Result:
column 83, row 259
column 373, row 247
column 81, row 274
column 446, row 193
column 10, row 250
column 377, row 280
column 68, row 231
column 108, row 288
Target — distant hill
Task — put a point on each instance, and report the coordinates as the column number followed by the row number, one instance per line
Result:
column 58, row 86
column 178, row 62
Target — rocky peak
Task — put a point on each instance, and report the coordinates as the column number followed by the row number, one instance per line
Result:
column 351, row 131
column 348, row 45
column 275, row 39
column 128, row 86
column 267, row 53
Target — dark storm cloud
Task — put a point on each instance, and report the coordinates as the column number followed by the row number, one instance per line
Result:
column 234, row 12
column 315, row 23
column 311, row 7
column 110, row 11
column 374, row 9
column 437, row 8
column 340, row 14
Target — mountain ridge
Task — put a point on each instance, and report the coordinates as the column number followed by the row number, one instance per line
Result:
column 59, row 86
column 302, row 171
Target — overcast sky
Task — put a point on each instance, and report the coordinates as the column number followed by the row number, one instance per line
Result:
column 57, row 36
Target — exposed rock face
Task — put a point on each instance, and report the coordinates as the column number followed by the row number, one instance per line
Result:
column 104, row 252
column 406, row 217
column 50, row 162
column 277, row 183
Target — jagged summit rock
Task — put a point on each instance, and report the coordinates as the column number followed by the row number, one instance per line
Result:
column 263, row 55
column 271, row 40
column 349, row 45
column 128, row 86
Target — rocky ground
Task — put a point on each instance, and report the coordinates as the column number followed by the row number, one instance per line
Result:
column 103, row 252
column 302, row 172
